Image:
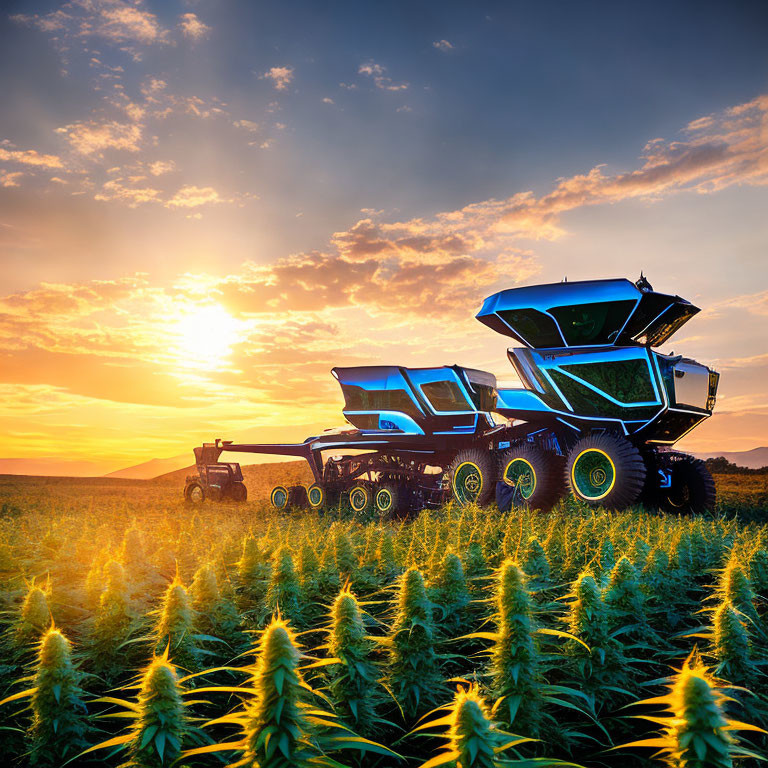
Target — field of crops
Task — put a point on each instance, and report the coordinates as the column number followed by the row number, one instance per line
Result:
column 159, row 633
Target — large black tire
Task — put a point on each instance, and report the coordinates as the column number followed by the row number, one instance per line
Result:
column 359, row 498
column 238, row 492
column 692, row 490
column 278, row 497
column 605, row 471
column 472, row 477
column 316, row 496
column 194, row 492
column 534, row 475
column 388, row 499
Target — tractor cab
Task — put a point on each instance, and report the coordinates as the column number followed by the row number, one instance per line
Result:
column 215, row 479
column 589, row 313
column 417, row 401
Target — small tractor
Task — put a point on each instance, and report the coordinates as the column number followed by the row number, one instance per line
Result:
column 597, row 415
column 214, row 480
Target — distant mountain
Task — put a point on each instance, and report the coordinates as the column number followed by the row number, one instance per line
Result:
column 157, row 467
column 152, row 468
column 54, row 467
column 753, row 459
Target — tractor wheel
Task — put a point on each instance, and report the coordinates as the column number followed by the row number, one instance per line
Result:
column 297, row 497
column 535, row 475
column 278, row 498
column 238, row 492
column 194, row 493
column 316, row 496
column 472, row 477
column 387, row 499
column 606, row 471
column 692, row 489
column 359, row 498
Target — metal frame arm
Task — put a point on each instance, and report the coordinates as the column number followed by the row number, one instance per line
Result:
column 301, row 450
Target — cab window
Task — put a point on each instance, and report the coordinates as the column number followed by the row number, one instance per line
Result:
column 446, row 396
column 598, row 323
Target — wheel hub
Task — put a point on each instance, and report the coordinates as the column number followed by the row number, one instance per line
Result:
column 593, row 474
column 467, row 483
column 519, row 474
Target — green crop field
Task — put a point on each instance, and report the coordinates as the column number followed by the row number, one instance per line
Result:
column 153, row 633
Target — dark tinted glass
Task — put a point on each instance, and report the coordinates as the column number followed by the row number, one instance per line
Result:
column 533, row 327
column 599, row 323
column 445, row 396
column 359, row 399
column 626, row 380
column 484, row 397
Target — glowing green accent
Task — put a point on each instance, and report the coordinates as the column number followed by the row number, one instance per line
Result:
column 467, row 483
column 593, row 474
column 519, row 473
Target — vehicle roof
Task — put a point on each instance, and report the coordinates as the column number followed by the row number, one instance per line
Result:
column 652, row 314
column 378, row 376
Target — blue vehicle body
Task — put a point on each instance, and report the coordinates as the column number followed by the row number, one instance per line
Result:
column 587, row 365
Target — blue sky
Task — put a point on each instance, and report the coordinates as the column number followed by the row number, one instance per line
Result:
column 341, row 172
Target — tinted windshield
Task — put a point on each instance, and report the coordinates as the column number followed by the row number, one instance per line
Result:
column 598, row 323
column 446, row 396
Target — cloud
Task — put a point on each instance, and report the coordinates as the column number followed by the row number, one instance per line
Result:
column 117, row 21
column 132, row 196
column 159, row 167
column 381, row 80
column 443, row 45
column 29, row 157
column 247, row 125
column 281, row 77
column 192, row 27
column 93, row 137
column 10, row 178
column 193, row 197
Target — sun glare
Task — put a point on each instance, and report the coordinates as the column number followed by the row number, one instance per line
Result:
column 206, row 335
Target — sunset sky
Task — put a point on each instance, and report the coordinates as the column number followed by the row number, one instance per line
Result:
column 205, row 205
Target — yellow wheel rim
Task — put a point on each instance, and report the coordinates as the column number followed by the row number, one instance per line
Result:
column 279, row 497
column 520, row 474
column 384, row 500
column 593, row 474
column 316, row 496
column 358, row 498
column 467, row 482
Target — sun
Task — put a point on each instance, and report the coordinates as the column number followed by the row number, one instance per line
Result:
column 205, row 336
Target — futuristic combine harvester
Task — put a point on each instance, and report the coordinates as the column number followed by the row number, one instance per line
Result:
column 599, row 412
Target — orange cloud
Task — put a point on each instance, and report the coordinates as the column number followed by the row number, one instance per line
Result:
column 30, row 157
column 281, row 77
column 117, row 21
column 193, row 197
column 192, row 27
column 94, row 137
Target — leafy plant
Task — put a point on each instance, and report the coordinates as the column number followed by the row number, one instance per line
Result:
column 56, row 700
column 696, row 733
column 280, row 724
column 414, row 672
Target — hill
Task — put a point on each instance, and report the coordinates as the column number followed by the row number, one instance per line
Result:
column 753, row 459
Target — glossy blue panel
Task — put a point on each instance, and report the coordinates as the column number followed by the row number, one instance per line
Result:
column 544, row 297
column 654, row 316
